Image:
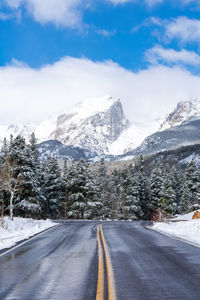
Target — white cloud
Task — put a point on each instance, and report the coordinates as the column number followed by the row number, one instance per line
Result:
column 149, row 22
column 60, row 12
column 187, row 2
column 9, row 16
column 154, row 21
column 5, row 17
column 33, row 95
column 153, row 2
column 183, row 29
column 160, row 55
column 106, row 33
column 148, row 2
column 116, row 2
column 69, row 13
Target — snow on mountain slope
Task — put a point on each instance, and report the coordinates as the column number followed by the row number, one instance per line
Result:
column 91, row 107
column 93, row 125
column 132, row 137
column 44, row 130
column 99, row 125
column 141, row 134
column 179, row 128
column 184, row 111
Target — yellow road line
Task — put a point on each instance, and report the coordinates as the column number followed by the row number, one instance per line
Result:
column 110, row 275
column 100, row 282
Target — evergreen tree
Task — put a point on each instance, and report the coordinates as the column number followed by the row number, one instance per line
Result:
column 156, row 183
column 37, row 167
column 115, row 179
column 191, row 187
column 33, row 148
column 99, row 209
column 184, row 205
column 80, row 192
column 65, row 169
column 177, row 183
column 94, row 207
column 130, row 205
column 105, row 187
column 53, row 189
column 19, row 179
column 142, row 188
column 169, row 196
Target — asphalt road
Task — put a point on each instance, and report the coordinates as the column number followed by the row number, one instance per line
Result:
column 150, row 266
column 63, row 263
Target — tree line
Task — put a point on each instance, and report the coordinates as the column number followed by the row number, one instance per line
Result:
column 33, row 188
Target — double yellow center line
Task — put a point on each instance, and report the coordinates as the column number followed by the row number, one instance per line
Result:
column 102, row 248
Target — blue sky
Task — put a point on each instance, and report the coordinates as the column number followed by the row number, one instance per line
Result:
column 142, row 41
column 121, row 33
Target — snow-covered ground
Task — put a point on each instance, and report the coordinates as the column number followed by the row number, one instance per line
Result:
column 185, row 229
column 186, row 217
column 19, row 229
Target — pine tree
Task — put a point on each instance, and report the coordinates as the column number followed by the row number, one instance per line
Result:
column 94, row 206
column 4, row 181
column 142, row 188
column 33, row 147
column 115, row 182
column 169, row 196
column 19, row 179
column 106, row 191
column 75, row 183
column 27, row 201
column 184, row 205
column 130, row 205
column 81, row 199
column 156, row 182
column 177, row 183
column 191, row 187
column 65, row 171
column 53, row 189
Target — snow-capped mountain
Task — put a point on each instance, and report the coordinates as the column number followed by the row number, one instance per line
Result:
column 184, row 111
column 93, row 125
column 99, row 126
column 180, row 128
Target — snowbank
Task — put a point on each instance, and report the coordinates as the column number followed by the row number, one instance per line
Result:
column 19, row 229
column 187, row 230
column 186, row 217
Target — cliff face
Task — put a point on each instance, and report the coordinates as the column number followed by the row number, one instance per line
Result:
column 92, row 125
column 100, row 127
column 184, row 111
column 94, row 129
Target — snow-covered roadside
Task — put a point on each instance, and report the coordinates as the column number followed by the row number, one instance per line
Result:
column 186, row 217
column 19, row 229
column 187, row 230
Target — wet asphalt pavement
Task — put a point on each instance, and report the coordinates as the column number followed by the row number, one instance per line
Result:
column 62, row 264
column 150, row 266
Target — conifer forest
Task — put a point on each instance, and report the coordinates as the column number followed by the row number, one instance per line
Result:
column 33, row 188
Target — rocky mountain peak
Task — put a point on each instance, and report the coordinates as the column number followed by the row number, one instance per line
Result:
column 184, row 111
column 93, row 125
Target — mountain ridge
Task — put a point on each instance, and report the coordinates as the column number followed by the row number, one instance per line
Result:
column 100, row 127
